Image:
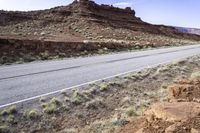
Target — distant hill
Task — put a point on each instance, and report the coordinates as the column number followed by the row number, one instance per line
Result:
column 188, row 30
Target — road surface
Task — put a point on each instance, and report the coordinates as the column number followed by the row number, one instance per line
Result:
column 24, row 82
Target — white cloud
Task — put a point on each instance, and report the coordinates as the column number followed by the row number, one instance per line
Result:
column 123, row 4
column 26, row 5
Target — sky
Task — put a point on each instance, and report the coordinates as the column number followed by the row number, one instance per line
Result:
column 183, row 13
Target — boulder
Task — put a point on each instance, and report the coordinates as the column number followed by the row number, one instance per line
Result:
column 174, row 112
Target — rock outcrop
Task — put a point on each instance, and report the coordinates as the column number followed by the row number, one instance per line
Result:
column 176, row 116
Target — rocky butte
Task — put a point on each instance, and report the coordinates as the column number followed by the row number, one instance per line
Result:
column 82, row 19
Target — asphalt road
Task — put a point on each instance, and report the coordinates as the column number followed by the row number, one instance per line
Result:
column 27, row 81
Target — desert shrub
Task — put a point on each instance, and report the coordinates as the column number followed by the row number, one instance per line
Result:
column 29, row 58
column 33, row 114
column 12, row 110
column 10, row 118
column 78, row 98
column 131, row 111
column 4, row 129
column 66, row 99
column 103, row 87
column 44, row 105
column 64, row 108
column 4, row 112
column 62, row 55
column 55, row 101
column 163, row 69
column 126, row 100
column 164, row 85
column 195, row 74
column 94, row 104
column 44, row 55
column 50, row 109
column 4, row 59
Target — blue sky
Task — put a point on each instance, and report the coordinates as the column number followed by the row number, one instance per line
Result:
column 169, row 12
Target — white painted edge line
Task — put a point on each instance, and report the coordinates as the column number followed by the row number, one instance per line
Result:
column 86, row 83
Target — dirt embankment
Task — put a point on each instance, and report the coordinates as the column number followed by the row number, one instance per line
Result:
column 20, row 50
column 25, row 50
